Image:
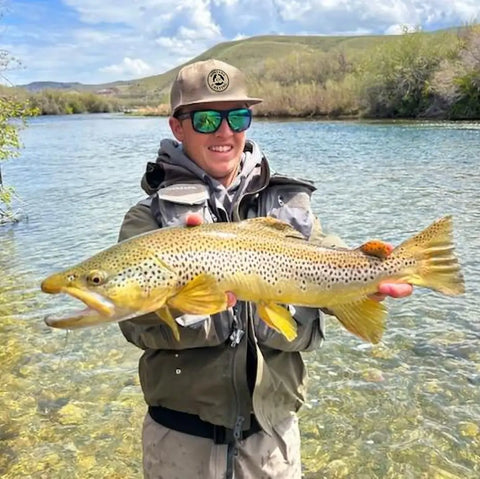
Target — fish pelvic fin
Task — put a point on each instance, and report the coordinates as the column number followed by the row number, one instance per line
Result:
column 278, row 318
column 364, row 318
column 201, row 295
column 437, row 266
column 166, row 316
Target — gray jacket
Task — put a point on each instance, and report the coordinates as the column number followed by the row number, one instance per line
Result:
column 205, row 373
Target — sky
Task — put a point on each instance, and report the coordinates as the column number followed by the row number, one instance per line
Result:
column 99, row 41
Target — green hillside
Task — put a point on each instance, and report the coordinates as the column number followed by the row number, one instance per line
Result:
column 414, row 75
column 250, row 55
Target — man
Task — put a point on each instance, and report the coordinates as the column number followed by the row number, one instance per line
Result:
column 221, row 400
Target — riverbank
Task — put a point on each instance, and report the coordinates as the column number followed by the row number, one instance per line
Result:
column 414, row 75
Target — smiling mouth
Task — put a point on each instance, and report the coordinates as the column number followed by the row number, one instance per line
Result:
column 220, row 149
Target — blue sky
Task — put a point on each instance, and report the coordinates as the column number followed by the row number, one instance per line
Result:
column 97, row 41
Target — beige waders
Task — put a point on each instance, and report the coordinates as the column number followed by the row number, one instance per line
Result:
column 169, row 454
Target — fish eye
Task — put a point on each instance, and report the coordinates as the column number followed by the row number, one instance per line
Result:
column 96, row 278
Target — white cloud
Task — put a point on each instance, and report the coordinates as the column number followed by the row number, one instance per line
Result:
column 118, row 39
column 129, row 67
column 93, row 11
column 400, row 29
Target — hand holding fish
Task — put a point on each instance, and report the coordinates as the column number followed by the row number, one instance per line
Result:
column 394, row 290
column 193, row 219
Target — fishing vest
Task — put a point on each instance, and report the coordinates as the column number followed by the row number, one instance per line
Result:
column 279, row 196
column 213, row 347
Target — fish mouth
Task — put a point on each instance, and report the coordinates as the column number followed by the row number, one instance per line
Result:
column 99, row 309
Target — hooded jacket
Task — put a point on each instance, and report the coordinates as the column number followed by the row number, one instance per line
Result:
column 229, row 365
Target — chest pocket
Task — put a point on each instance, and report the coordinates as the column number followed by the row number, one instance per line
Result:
column 173, row 203
column 289, row 204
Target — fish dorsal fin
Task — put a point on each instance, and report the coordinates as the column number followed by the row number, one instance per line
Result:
column 269, row 225
column 376, row 248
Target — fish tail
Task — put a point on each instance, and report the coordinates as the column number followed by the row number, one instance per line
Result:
column 435, row 265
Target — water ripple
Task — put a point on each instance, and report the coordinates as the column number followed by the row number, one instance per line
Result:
column 406, row 408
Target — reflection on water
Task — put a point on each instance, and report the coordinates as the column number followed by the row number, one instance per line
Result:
column 71, row 405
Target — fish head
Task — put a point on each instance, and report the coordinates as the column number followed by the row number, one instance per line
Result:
column 113, row 286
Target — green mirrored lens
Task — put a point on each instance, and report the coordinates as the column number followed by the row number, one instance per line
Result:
column 209, row 121
column 239, row 120
column 206, row 121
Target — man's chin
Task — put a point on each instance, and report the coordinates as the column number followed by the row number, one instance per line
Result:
column 225, row 173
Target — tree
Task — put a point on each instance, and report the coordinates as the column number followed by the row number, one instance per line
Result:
column 396, row 78
column 13, row 115
column 456, row 84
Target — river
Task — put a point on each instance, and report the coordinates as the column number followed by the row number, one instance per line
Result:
column 71, row 405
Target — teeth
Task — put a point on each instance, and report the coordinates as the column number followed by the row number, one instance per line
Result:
column 220, row 149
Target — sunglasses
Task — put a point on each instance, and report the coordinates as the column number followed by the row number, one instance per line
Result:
column 209, row 121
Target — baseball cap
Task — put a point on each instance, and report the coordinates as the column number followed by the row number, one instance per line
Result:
column 208, row 81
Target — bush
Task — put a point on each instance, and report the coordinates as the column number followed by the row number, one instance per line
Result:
column 456, row 84
column 13, row 115
column 55, row 102
column 396, row 79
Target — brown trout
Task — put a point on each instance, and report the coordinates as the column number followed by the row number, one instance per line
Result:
column 263, row 260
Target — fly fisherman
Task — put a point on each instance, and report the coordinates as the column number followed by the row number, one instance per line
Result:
column 222, row 401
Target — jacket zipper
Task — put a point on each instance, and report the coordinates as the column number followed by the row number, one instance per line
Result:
column 237, row 333
column 235, row 339
column 237, row 430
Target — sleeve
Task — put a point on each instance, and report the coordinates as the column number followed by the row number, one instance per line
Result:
column 137, row 220
column 325, row 240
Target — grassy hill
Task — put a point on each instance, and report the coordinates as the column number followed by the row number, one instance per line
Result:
column 248, row 54
column 434, row 74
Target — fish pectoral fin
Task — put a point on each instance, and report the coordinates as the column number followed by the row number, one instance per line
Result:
column 166, row 316
column 376, row 248
column 278, row 318
column 200, row 296
column 364, row 318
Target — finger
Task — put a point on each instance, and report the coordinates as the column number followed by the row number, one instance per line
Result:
column 193, row 219
column 378, row 297
column 231, row 299
column 395, row 290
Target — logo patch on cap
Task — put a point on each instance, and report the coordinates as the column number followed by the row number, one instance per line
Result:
column 218, row 80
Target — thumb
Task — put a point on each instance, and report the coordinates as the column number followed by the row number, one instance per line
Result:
column 193, row 219
column 231, row 299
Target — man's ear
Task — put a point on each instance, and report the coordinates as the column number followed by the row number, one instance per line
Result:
column 176, row 127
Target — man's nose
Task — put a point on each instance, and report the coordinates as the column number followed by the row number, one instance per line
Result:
column 224, row 128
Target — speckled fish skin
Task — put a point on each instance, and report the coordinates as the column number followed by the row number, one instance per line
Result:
column 261, row 260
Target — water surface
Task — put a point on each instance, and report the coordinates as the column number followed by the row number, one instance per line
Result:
column 71, row 405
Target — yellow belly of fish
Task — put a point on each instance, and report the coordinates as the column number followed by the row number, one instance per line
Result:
column 253, row 287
